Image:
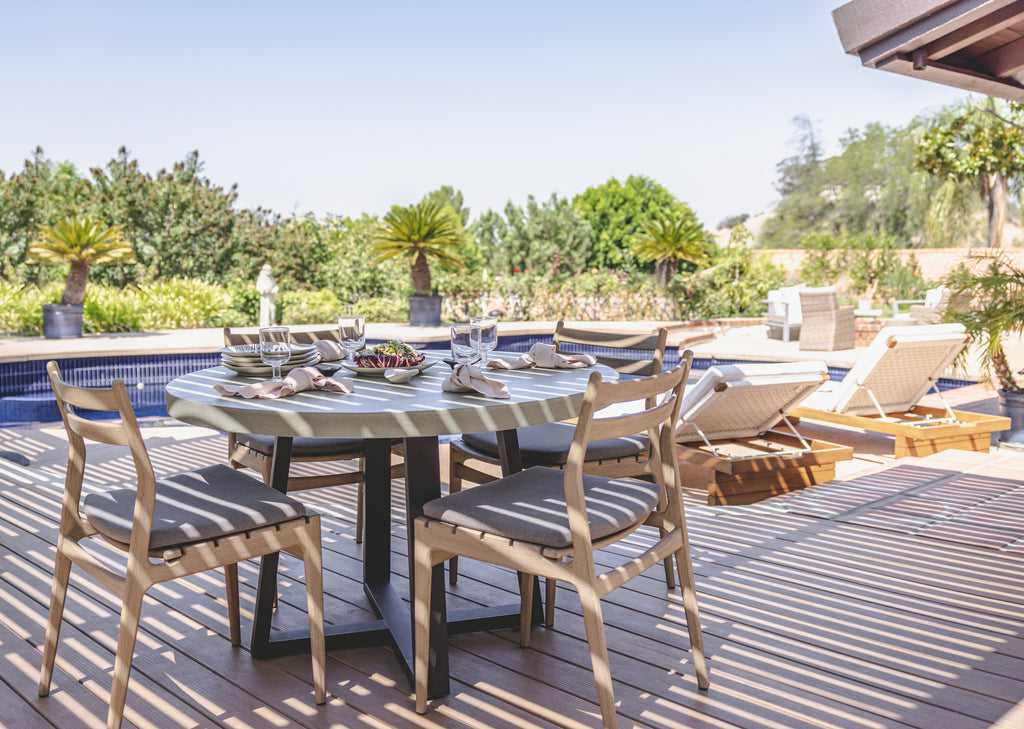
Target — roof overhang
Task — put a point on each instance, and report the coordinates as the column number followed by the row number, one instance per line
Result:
column 976, row 45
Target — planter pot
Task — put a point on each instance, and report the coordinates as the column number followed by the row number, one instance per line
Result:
column 1011, row 405
column 62, row 321
column 425, row 311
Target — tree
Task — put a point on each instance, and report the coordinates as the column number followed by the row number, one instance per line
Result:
column 80, row 241
column 670, row 241
column 422, row 233
column 616, row 212
column 550, row 236
column 983, row 146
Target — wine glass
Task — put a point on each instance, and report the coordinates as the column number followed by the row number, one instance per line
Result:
column 353, row 333
column 465, row 342
column 275, row 348
column 488, row 334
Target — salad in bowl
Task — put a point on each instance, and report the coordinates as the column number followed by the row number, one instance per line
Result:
column 389, row 354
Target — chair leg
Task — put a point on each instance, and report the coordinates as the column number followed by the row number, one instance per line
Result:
column 525, row 608
column 594, row 622
column 689, row 589
column 131, row 610
column 423, row 557
column 312, row 558
column 550, row 583
column 454, row 487
column 234, row 614
column 58, row 593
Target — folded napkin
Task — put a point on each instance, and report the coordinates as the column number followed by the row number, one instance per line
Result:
column 544, row 355
column 299, row 379
column 467, row 378
column 330, row 351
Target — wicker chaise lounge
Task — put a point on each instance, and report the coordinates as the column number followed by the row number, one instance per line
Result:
column 882, row 391
column 726, row 438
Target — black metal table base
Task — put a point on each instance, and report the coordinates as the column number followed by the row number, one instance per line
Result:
column 395, row 626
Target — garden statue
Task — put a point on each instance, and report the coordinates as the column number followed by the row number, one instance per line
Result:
column 267, row 288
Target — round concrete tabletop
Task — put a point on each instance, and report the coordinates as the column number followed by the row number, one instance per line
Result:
column 381, row 409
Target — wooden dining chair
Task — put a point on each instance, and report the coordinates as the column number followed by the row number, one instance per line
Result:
column 548, row 521
column 249, row 450
column 548, row 444
column 169, row 528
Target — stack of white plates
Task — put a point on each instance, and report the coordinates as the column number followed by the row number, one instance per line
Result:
column 245, row 359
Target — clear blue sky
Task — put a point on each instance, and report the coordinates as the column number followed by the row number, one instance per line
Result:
column 350, row 107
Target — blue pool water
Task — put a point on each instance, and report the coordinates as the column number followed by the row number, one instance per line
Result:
column 25, row 394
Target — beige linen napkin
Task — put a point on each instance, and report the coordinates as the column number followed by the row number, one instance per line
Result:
column 467, row 378
column 544, row 355
column 329, row 350
column 299, row 379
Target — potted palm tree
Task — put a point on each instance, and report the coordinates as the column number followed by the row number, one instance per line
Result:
column 79, row 241
column 988, row 299
column 423, row 233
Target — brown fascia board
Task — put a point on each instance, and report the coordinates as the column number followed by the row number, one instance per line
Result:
column 877, row 30
column 954, row 76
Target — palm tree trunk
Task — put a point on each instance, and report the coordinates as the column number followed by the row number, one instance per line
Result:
column 1004, row 374
column 420, row 273
column 74, row 287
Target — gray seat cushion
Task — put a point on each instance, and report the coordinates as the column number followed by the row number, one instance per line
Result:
column 194, row 506
column 304, row 447
column 548, row 445
column 530, row 506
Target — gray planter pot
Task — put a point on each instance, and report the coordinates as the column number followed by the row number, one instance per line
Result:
column 1011, row 405
column 62, row 321
column 425, row 311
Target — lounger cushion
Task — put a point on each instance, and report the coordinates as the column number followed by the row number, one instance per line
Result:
column 743, row 401
column 899, row 367
column 194, row 506
column 548, row 445
column 530, row 506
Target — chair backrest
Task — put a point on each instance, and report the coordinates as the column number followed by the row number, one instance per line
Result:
column 937, row 297
column 625, row 365
column 786, row 295
column 818, row 301
column 899, row 367
column 123, row 432
column 663, row 393
column 743, row 401
column 299, row 335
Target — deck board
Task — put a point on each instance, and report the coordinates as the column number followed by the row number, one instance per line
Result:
column 809, row 621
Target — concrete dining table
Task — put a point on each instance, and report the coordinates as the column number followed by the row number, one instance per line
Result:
column 379, row 411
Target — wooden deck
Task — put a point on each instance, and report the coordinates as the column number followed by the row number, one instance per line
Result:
column 872, row 605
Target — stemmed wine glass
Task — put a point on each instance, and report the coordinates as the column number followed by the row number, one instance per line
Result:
column 275, row 348
column 488, row 335
column 353, row 334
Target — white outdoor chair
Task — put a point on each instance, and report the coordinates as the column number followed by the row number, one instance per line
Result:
column 726, row 435
column 784, row 315
column 882, row 391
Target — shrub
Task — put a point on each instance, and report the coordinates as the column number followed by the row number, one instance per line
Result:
column 109, row 309
column 21, row 307
column 381, row 309
column 182, row 303
column 307, row 307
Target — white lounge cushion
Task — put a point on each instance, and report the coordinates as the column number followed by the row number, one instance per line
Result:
column 742, row 401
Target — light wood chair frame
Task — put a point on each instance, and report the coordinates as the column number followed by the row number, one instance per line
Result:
column 461, row 453
column 147, row 567
column 241, row 455
column 435, row 541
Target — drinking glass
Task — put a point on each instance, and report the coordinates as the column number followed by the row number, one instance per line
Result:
column 488, row 334
column 465, row 342
column 353, row 333
column 275, row 348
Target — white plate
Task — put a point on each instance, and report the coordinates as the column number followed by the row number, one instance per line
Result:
column 309, row 358
column 379, row 371
column 252, row 351
column 262, row 370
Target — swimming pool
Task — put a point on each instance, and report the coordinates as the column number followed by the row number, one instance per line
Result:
column 26, row 396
